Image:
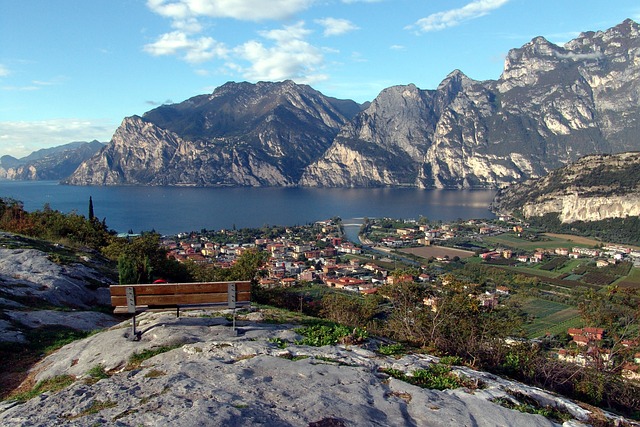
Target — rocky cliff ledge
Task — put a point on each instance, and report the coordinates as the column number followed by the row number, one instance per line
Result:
column 594, row 188
column 211, row 376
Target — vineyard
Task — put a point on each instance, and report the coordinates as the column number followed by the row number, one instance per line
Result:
column 549, row 318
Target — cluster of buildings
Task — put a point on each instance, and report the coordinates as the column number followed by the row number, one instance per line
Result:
column 588, row 348
column 292, row 260
column 602, row 257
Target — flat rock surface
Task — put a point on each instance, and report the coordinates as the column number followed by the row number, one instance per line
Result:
column 79, row 320
column 209, row 375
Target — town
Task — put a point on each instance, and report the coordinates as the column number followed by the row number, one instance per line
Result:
column 320, row 253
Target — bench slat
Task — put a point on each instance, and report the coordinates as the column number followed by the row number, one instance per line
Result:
column 178, row 288
column 220, row 298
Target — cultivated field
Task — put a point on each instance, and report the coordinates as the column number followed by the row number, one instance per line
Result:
column 437, row 251
column 632, row 281
column 550, row 317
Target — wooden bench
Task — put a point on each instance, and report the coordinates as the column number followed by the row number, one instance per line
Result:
column 135, row 299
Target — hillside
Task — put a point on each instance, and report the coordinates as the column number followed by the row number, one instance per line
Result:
column 551, row 105
column 594, row 188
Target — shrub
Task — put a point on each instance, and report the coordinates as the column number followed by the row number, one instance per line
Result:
column 321, row 335
column 391, row 349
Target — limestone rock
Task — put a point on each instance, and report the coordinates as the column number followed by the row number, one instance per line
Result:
column 242, row 134
column 215, row 377
column 551, row 105
column 594, row 188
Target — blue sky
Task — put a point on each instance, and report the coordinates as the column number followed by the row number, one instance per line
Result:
column 71, row 70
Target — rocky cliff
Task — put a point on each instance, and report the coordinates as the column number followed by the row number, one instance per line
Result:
column 240, row 135
column 49, row 164
column 551, row 105
column 595, row 187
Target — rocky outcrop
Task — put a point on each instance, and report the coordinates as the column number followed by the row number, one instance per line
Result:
column 240, row 135
column 210, row 376
column 551, row 105
column 37, row 278
column 594, row 188
column 49, row 164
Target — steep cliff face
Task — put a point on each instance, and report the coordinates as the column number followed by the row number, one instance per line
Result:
column 594, row 188
column 550, row 106
column 240, row 135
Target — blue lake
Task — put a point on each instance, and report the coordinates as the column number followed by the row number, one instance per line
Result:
column 170, row 210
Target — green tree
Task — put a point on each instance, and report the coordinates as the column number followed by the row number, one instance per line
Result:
column 127, row 270
column 148, row 256
column 91, row 214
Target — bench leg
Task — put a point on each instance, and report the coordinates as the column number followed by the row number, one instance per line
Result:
column 135, row 335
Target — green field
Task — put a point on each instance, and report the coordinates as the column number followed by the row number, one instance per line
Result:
column 513, row 241
column 530, row 270
column 632, row 280
column 550, row 317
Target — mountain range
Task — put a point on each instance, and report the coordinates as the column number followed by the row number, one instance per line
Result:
column 54, row 163
column 551, row 106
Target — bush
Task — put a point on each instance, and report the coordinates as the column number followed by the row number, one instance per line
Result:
column 391, row 349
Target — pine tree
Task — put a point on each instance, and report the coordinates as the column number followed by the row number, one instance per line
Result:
column 91, row 215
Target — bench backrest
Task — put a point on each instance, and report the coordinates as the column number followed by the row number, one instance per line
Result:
column 167, row 294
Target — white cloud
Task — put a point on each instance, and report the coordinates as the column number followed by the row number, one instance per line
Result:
column 397, row 47
column 244, row 10
column 451, row 18
column 21, row 138
column 35, row 85
column 4, row 71
column 580, row 56
column 289, row 57
column 281, row 53
column 335, row 26
column 193, row 50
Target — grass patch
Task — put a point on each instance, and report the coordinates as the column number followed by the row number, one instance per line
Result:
column 50, row 338
column 392, row 349
column 451, row 360
column 437, row 376
column 321, row 335
column 96, row 406
column 155, row 373
column 136, row 359
column 53, row 384
column 96, row 374
column 279, row 342
column 291, row 357
column 523, row 403
column 280, row 316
